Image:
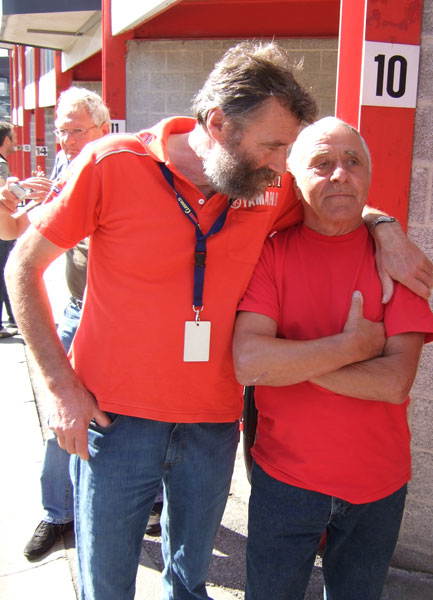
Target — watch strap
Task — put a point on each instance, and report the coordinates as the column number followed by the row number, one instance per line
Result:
column 381, row 219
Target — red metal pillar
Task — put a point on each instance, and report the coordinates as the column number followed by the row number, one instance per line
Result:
column 40, row 150
column 63, row 79
column 114, row 70
column 376, row 90
column 18, row 158
column 13, row 110
column 26, row 141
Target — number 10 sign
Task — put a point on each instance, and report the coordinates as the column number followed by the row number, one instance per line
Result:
column 390, row 74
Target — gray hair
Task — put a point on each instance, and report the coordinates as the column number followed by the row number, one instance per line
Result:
column 249, row 74
column 325, row 124
column 76, row 98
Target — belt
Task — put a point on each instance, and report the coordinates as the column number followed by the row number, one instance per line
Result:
column 76, row 302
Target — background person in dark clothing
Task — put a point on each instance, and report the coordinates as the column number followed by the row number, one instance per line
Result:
column 7, row 146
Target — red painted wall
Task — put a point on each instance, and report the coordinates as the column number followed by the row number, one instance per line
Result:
column 245, row 19
column 89, row 70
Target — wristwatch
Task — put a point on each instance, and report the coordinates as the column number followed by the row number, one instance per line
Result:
column 382, row 219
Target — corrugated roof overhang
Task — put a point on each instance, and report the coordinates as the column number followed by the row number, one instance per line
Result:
column 76, row 28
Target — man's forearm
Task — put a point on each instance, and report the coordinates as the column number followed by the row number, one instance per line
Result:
column 265, row 360
column 9, row 229
column 387, row 378
column 32, row 311
column 260, row 358
column 271, row 361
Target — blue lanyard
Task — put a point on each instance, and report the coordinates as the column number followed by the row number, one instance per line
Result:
column 200, row 244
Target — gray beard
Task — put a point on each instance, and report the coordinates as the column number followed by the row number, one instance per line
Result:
column 231, row 173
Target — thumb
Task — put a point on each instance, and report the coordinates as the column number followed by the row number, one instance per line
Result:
column 357, row 304
column 102, row 418
column 355, row 311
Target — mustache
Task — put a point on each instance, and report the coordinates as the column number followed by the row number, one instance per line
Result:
column 264, row 175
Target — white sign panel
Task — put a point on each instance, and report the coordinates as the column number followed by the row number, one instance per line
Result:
column 118, row 126
column 390, row 74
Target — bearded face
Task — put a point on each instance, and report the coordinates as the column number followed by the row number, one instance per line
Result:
column 231, row 171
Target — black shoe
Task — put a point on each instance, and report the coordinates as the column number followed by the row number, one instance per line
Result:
column 153, row 526
column 44, row 538
column 6, row 332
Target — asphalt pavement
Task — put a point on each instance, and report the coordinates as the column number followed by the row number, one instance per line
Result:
column 23, row 429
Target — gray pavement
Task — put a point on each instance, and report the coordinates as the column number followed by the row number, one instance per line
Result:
column 22, row 431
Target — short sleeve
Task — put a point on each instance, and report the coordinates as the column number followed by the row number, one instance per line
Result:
column 73, row 214
column 4, row 170
column 262, row 296
column 408, row 312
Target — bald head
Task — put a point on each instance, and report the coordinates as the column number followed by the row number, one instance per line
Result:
column 302, row 145
column 331, row 166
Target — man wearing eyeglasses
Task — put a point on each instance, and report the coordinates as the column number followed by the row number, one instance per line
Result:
column 81, row 117
column 76, row 126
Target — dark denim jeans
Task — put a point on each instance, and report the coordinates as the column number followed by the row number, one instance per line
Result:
column 284, row 531
column 115, row 491
column 5, row 249
column 56, row 485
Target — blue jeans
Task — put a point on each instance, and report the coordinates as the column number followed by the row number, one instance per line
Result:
column 115, row 492
column 360, row 540
column 56, row 485
column 69, row 325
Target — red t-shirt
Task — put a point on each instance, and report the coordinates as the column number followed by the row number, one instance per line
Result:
column 128, row 350
column 307, row 436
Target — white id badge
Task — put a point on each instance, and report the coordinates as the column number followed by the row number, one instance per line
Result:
column 197, row 341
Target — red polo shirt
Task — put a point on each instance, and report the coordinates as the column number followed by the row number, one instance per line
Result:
column 128, row 350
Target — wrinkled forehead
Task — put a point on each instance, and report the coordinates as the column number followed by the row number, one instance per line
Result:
column 324, row 138
column 77, row 117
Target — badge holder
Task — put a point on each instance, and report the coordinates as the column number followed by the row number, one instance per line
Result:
column 197, row 339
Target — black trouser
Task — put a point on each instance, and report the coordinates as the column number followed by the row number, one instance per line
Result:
column 5, row 248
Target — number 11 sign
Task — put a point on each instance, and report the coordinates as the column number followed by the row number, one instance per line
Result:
column 390, row 74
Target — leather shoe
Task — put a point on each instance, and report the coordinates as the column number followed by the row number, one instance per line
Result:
column 153, row 525
column 6, row 332
column 45, row 536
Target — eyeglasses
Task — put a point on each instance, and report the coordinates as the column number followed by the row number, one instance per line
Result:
column 75, row 133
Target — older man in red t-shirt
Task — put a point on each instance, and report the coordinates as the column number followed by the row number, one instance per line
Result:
column 333, row 445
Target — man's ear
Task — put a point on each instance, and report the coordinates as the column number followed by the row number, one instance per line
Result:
column 105, row 128
column 216, row 123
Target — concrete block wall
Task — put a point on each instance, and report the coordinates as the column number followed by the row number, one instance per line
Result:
column 415, row 547
column 162, row 77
